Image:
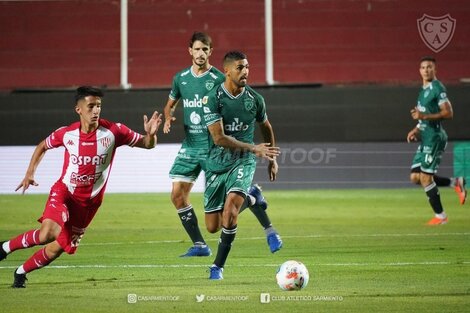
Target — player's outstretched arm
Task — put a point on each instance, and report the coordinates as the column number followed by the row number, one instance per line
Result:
column 28, row 179
column 151, row 127
column 268, row 136
column 168, row 113
column 262, row 150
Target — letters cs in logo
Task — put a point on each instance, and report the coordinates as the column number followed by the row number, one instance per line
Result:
column 436, row 32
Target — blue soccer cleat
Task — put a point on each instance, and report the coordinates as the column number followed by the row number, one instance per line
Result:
column 274, row 242
column 198, row 251
column 255, row 191
column 215, row 272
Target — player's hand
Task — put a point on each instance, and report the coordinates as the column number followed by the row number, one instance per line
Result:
column 412, row 135
column 27, row 181
column 167, row 125
column 264, row 150
column 272, row 170
column 152, row 125
column 415, row 114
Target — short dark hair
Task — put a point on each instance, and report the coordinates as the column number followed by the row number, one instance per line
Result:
column 85, row 91
column 202, row 37
column 428, row 58
column 233, row 56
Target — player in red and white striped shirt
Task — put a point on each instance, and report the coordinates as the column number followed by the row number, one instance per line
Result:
column 74, row 199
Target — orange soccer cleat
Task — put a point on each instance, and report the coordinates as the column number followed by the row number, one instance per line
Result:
column 437, row 221
column 460, row 189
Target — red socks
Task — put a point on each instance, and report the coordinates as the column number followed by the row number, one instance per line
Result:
column 37, row 260
column 26, row 240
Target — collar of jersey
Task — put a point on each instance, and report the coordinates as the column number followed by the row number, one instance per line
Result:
column 201, row 75
column 232, row 96
column 429, row 85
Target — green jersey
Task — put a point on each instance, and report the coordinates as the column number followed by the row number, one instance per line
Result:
column 238, row 115
column 429, row 100
column 189, row 89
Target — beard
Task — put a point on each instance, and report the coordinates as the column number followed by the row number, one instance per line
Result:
column 200, row 62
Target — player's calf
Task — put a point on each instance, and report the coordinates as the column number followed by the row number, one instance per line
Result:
column 23, row 241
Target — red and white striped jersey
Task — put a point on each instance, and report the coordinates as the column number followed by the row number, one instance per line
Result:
column 88, row 157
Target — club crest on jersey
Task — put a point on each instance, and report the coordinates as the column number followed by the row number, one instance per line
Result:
column 209, row 84
column 105, row 142
column 248, row 103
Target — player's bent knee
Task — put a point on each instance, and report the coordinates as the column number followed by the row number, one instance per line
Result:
column 54, row 250
column 230, row 216
column 213, row 222
column 177, row 199
column 213, row 228
column 46, row 237
column 414, row 178
column 49, row 231
column 426, row 180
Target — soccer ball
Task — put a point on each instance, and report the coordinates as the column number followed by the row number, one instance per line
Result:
column 292, row 275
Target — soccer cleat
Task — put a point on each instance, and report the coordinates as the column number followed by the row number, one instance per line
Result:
column 274, row 242
column 3, row 254
column 215, row 272
column 19, row 281
column 460, row 189
column 197, row 251
column 437, row 221
column 255, row 191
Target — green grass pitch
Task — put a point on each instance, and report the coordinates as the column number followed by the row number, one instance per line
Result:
column 366, row 250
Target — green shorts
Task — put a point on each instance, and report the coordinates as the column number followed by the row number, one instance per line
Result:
column 429, row 155
column 219, row 185
column 188, row 164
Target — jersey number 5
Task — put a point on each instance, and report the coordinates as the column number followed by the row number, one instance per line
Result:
column 240, row 173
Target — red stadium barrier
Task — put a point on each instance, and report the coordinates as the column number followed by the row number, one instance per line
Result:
column 69, row 43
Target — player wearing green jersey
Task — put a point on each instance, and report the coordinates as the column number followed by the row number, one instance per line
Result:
column 433, row 107
column 189, row 87
column 230, row 112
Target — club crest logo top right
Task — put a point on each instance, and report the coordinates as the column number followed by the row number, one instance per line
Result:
column 436, row 32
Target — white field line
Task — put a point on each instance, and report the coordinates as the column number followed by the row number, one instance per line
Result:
column 262, row 265
column 284, row 237
column 353, row 264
